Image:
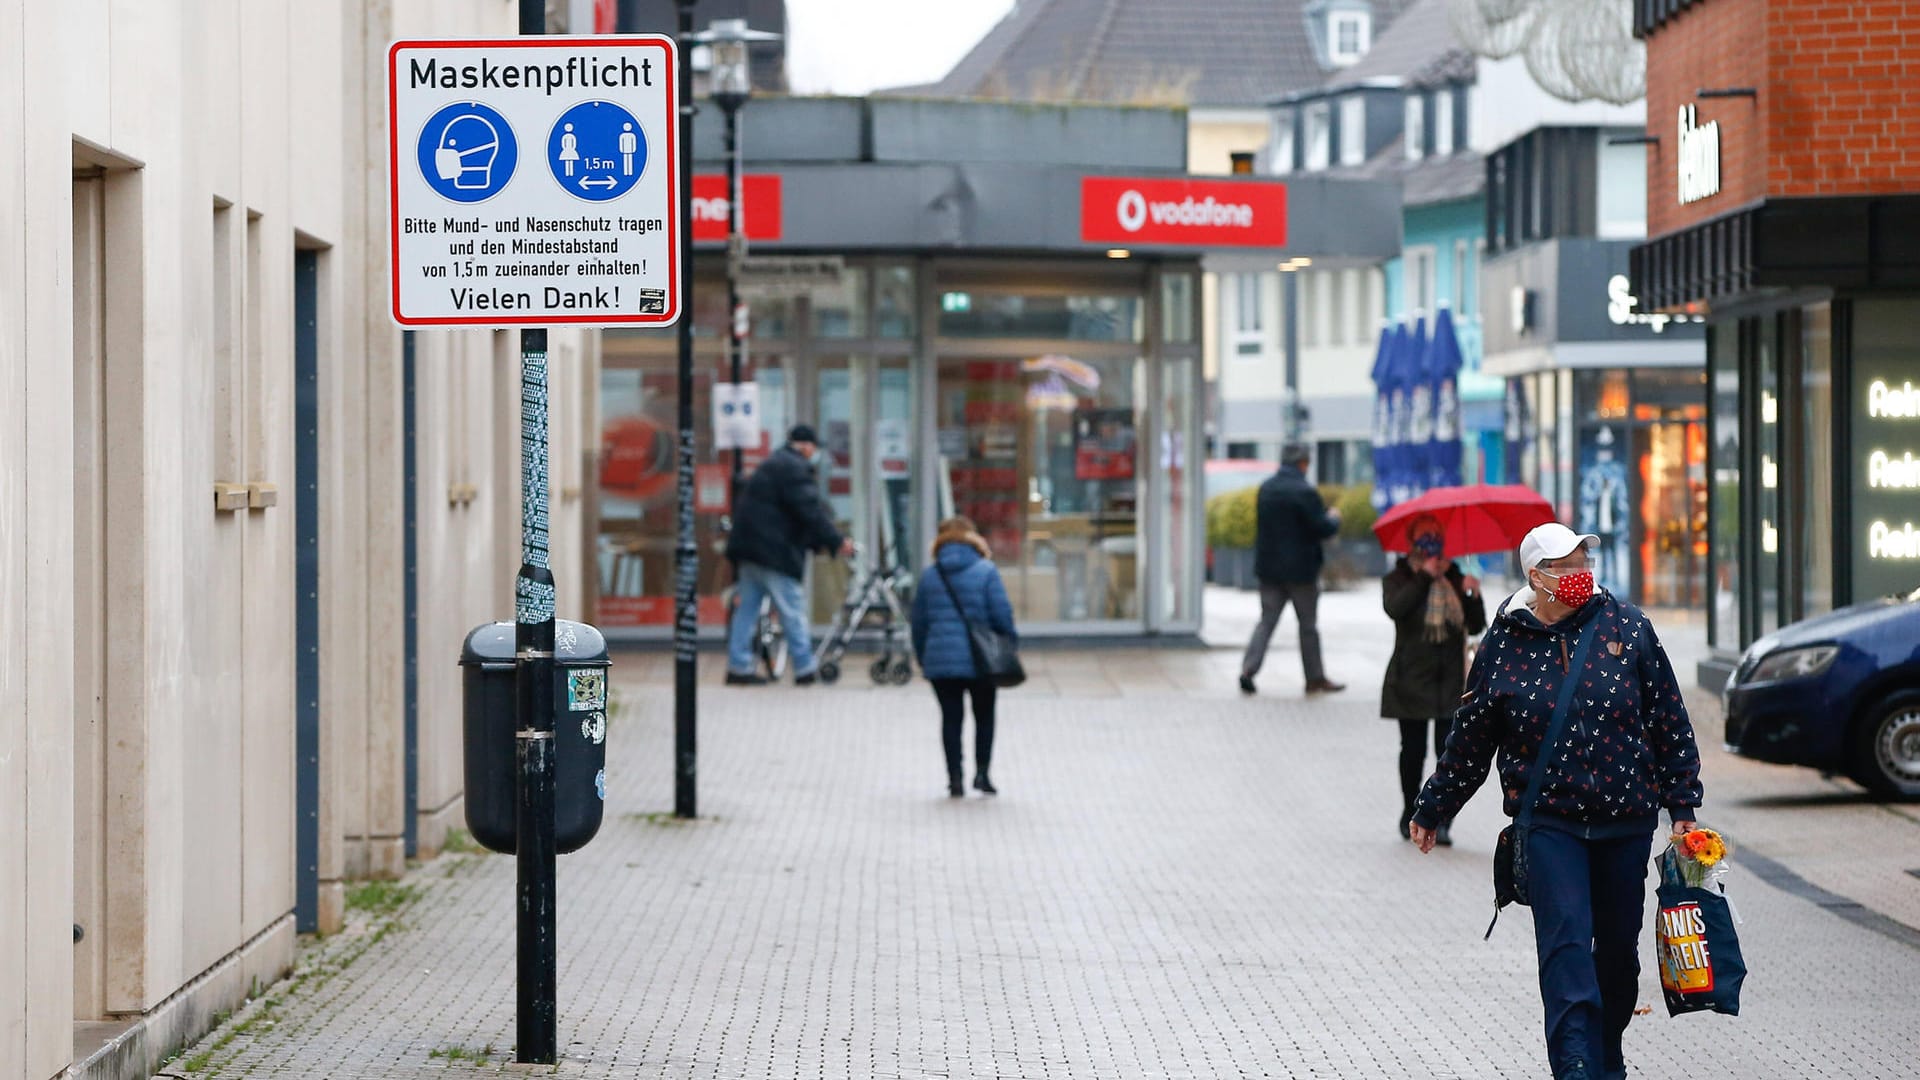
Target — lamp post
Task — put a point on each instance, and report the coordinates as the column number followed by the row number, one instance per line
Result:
column 730, row 81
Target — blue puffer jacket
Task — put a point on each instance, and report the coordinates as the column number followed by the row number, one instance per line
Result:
column 939, row 633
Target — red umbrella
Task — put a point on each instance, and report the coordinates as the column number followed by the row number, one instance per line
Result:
column 1477, row 518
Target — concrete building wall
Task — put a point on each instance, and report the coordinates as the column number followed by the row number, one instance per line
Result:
column 161, row 167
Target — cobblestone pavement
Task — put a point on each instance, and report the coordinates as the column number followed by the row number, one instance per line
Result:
column 1176, row 882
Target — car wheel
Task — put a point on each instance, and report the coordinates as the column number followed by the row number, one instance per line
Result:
column 1886, row 747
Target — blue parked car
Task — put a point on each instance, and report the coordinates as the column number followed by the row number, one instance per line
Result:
column 1839, row 692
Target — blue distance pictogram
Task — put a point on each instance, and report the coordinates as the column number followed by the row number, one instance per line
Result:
column 467, row 152
column 597, row 151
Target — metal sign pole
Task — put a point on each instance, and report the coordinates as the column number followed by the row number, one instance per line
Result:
column 686, row 625
column 536, row 960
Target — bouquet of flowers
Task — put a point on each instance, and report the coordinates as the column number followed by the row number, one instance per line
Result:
column 1700, row 857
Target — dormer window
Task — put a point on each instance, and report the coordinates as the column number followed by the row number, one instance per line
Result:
column 1349, row 35
column 1319, row 125
column 1414, row 128
column 1353, row 129
column 1443, row 141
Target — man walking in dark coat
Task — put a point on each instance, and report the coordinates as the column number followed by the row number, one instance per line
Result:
column 1292, row 521
column 778, row 519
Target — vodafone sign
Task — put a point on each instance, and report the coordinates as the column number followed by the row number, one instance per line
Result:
column 1189, row 213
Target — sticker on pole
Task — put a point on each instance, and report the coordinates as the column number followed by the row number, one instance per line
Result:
column 535, row 181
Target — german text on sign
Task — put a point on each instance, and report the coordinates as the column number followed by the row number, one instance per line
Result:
column 535, row 181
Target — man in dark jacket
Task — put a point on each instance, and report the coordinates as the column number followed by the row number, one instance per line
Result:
column 1292, row 521
column 778, row 519
column 1627, row 752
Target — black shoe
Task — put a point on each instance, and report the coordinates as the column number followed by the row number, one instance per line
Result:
column 983, row 785
column 1444, row 834
column 1406, row 820
column 1246, row 684
column 808, row 679
column 1325, row 686
column 956, row 786
column 736, row 679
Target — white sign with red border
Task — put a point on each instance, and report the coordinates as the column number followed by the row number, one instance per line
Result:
column 535, row 181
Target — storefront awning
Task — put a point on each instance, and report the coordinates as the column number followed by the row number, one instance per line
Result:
column 1004, row 208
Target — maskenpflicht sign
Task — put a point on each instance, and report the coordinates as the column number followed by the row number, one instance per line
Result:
column 535, row 181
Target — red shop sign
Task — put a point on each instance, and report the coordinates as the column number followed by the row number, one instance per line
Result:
column 765, row 218
column 1196, row 213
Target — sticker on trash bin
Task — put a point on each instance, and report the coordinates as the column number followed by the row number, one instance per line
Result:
column 594, row 728
column 600, row 784
column 586, row 690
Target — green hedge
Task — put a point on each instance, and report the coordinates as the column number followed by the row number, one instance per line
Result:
column 1232, row 519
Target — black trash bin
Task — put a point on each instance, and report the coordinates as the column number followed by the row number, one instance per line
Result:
column 579, row 738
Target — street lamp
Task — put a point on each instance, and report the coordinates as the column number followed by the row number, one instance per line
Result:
column 730, row 81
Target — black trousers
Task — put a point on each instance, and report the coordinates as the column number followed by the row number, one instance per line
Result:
column 1413, row 756
column 953, row 709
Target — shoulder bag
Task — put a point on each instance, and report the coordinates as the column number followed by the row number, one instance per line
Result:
column 1510, row 851
column 995, row 658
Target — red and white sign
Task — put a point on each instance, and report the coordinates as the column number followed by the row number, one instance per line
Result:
column 1192, row 213
column 761, row 197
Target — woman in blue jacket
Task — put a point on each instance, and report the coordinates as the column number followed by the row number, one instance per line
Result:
column 961, row 586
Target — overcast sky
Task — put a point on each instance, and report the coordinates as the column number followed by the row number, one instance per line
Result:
column 855, row 46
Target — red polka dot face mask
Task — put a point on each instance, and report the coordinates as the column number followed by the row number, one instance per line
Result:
column 1573, row 588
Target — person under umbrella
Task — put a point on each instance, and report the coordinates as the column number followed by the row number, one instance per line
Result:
column 1434, row 608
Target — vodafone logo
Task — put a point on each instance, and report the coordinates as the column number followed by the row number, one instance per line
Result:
column 1199, row 213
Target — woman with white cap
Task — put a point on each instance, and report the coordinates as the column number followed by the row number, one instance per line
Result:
column 1585, row 774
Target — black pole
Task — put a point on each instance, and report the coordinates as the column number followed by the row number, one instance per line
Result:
column 736, row 247
column 535, row 952
column 686, row 556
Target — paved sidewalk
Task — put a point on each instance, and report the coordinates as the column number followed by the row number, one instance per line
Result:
column 1178, row 881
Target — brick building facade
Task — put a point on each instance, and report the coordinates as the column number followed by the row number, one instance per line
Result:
column 1783, row 203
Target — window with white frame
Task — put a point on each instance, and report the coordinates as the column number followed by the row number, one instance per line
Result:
column 1336, row 316
column 1248, row 326
column 1479, row 260
column 1307, row 282
column 1319, row 135
column 1459, row 276
column 1414, row 128
column 1280, row 152
column 1418, row 272
column 1349, row 35
column 1353, row 129
column 1366, row 311
column 1443, row 122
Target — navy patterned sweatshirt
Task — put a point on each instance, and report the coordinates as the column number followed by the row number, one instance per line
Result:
column 1628, row 749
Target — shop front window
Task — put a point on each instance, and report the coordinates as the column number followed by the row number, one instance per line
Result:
column 635, row 557
column 1884, row 517
column 1816, row 458
column 1174, row 494
column 840, row 311
column 1041, row 454
column 1723, row 359
column 894, row 299
column 1670, row 436
column 1023, row 315
column 1766, row 494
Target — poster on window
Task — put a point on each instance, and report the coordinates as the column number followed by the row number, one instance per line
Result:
column 1603, row 507
column 1103, row 444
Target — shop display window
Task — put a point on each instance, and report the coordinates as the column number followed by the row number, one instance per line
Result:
column 1723, row 360
column 1029, row 316
column 1041, row 454
column 894, row 300
column 638, row 463
column 1815, row 460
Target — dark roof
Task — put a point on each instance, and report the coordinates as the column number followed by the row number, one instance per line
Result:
column 1197, row 52
column 1430, row 180
column 1419, row 49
